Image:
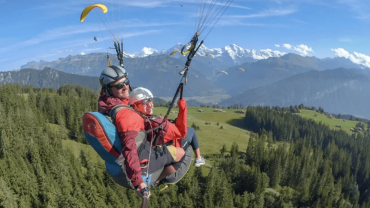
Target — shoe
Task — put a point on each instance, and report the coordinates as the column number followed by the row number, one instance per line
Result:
column 199, row 162
column 158, row 183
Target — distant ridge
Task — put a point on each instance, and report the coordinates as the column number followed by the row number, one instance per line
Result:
column 47, row 78
column 345, row 91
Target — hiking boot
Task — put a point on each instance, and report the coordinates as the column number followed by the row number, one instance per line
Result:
column 199, row 162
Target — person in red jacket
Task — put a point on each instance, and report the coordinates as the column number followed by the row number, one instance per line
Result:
column 115, row 91
column 173, row 133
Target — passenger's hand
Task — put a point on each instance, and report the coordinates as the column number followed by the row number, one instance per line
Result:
column 139, row 188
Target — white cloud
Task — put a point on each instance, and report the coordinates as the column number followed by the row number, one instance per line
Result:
column 341, row 52
column 86, row 45
column 277, row 45
column 302, row 49
column 357, row 58
column 63, row 32
column 82, row 53
column 360, row 7
column 267, row 13
column 66, row 51
column 287, row 46
column 227, row 21
column 167, row 3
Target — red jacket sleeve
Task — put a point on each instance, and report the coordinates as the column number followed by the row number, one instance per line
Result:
column 181, row 121
column 178, row 130
column 128, row 125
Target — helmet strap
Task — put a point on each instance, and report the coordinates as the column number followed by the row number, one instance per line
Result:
column 107, row 91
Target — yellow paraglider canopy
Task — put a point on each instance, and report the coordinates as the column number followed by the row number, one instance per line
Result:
column 222, row 72
column 186, row 52
column 210, row 54
column 177, row 51
column 239, row 69
column 173, row 52
column 86, row 11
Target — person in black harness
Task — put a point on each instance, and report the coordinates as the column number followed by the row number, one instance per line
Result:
column 172, row 132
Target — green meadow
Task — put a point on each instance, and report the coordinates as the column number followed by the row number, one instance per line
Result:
column 215, row 130
column 210, row 135
column 331, row 122
column 218, row 128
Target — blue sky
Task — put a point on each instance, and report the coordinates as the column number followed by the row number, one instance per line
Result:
column 48, row 30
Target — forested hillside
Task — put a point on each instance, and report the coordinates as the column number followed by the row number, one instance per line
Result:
column 289, row 162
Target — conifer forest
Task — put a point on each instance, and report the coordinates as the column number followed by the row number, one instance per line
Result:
column 289, row 161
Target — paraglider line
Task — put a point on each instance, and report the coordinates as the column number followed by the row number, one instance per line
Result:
column 215, row 13
column 201, row 15
column 210, row 8
column 229, row 2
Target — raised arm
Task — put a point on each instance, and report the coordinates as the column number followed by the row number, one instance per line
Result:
column 181, row 121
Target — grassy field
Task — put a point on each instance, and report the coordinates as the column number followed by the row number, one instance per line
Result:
column 211, row 137
column 74, row 146
column 346, row 126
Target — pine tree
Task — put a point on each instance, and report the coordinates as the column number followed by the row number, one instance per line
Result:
column 234, row 151
column 7, row 197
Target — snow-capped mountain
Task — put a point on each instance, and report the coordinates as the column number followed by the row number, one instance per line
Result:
column 231, row 54
column 145, row 52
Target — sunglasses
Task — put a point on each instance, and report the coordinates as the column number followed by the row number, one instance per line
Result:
column 147, row 101
column 121, row 84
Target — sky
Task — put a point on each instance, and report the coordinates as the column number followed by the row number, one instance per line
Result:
column 48, row 30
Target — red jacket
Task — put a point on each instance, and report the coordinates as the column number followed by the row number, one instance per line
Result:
column 128, row 124
column 172, row 132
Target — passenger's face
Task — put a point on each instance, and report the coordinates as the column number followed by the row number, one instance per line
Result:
column 146, row 109
column 122, row 93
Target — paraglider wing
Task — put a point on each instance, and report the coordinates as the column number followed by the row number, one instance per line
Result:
column 239, row 69
column 173, row 52
column 210, row 54
column 222, row 72
column 86, row 11
column 186, row 52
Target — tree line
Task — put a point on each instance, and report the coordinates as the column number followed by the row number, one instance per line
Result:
column 289, row 161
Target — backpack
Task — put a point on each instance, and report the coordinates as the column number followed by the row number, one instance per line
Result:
column 101, row 133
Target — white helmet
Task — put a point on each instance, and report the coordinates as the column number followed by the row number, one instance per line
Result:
column 138, row 94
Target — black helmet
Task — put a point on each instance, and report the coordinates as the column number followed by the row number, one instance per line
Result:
column 111, row 74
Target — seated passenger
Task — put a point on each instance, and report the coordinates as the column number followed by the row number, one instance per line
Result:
column 141, row 100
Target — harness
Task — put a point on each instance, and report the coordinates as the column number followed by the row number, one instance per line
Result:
column 158, row 134
column 158, row 129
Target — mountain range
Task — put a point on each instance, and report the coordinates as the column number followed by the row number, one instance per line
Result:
column 223, row 58
column 158, row 73
column 268, row 71
column 47, row 77
column 341, row 90
column 266, row 78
